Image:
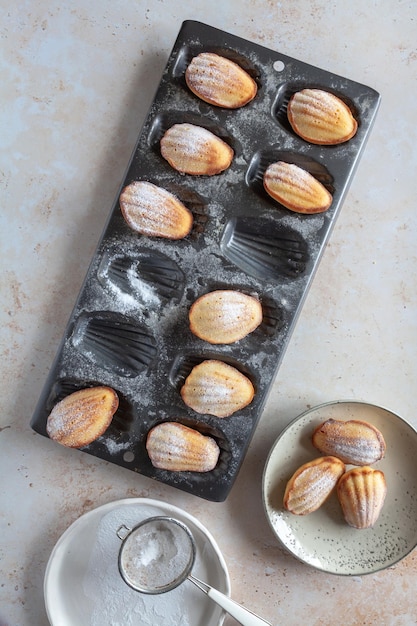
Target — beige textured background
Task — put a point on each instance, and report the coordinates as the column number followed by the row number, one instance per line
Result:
column 76, row 83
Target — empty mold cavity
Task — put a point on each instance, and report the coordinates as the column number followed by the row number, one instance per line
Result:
column 262, row 159
column 273, row 318
column 194, row 202
column 145, row 276
column 114, row 342
column 287, row 90
column 264, row 248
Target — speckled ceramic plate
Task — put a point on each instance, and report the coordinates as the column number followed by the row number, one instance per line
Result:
column 83, row 585
column 323, row 539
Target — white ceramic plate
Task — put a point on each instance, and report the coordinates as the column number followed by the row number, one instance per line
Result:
column 83, row 585
column 323, row 539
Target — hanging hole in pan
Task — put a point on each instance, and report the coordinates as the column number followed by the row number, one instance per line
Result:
column 279, row 66
column 264, row 248
column 114, row 342
column 129, row 456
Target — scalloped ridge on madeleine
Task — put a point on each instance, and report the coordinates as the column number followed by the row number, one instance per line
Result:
column 295, row 188
column 82, row 417
column 194, row 150
column 224, row 316
column 311, row 484
column 321, row 117
column 220, row 81
column 361, row 492
column 354, row 441
column 178, row 448
column 154, row 211
column 216, row 388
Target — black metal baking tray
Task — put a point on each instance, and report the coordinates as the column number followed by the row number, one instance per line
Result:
column 129, row 327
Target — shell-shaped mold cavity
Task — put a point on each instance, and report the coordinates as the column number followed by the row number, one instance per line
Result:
column 264, row 248
column 264, row 158
column 284, row 95
column 115, row 342
column 144, row 275
column 274, row 317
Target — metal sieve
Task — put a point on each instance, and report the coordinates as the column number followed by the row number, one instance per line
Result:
column 158, row 555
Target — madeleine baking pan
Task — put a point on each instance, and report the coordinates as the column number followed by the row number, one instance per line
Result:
column 129, row 327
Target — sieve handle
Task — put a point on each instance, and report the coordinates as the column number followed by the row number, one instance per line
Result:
column 123, row 531
column 240, row 614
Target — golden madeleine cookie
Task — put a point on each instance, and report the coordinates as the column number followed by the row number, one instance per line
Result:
column 192, row 149
column 355, row 441
column 295, row 188
column 82, row 417
column 154, row 211
column 361, row 492
column 224, row 316
column 216, row 388
column 311, row 484
column 178, row 448
column 220, row 81
column 320, row 117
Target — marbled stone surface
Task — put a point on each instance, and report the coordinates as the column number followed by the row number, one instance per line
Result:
column 77, row 81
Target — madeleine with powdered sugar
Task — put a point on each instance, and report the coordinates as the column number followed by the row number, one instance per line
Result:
column 80, row 418
column 195, row 150
column 216, row 388
column 361, row 492
column 179, row 448
column 354, row 441
column 155, row 212
column 320, row 117
column 295, row 188
column 220, row 81
column 224, row 316
column 311, row 484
